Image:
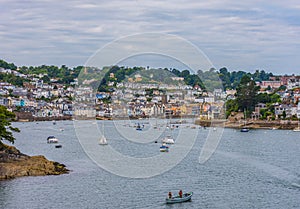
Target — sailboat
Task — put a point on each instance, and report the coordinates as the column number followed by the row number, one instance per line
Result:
column 155, row 126
column 168, row 139
column 244, row 129
column 102, row 139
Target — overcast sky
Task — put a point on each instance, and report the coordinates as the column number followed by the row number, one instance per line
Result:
column 240, row 35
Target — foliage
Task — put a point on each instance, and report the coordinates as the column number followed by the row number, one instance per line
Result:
column 275, row 98
column 282, row 88
column 63, row 74
column 231, row 106
column 11, row 78
column 5, row 125
column 230, row 80
column 284, row 114
column 263, row 98
column 6, row 65
column 210, row 79
column 246, row 93
column 265, row 113
column 207, row 80
column 120, row 74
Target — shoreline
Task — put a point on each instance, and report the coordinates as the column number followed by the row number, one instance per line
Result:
column 14, row 163
column 251, row 124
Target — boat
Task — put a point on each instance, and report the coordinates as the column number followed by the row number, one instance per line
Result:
column 164, row 148
column 103, row 141
column 155, row 126
column 139, row 128
column 244, row 128
column 177, row 199
column 58, row 146
column 168, row 140
column 297, row 129
column 52, row 139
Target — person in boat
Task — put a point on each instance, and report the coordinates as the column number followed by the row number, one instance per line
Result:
column 170, row 195
column 180, row 193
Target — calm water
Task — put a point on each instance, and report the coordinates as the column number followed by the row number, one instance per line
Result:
column 258, row 169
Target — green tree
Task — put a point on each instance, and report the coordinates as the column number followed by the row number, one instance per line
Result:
column 284, row 114
column 275, row 98
column 231, row 106
column 46, row 79
column 246, row 93
column 263, row 98
column 5, row 126
column 225, row 78
column 7, row 65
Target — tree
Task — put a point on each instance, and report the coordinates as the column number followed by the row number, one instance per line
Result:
column 7, row 65
column 5, row 126
column 263, row 98
column 185, row 73
column 225, row 78
column 275, row 98
column 246, row 93
column 46, row 79
column 231, row 106
column 284, row 114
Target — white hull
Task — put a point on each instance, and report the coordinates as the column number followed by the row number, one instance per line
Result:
column 168, row 140
column 296, row 130
column 52, row 139
column 103, row 141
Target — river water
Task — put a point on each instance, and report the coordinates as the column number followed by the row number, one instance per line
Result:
column 258, row 169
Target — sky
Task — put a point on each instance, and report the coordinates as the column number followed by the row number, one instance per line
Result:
column 243, row 35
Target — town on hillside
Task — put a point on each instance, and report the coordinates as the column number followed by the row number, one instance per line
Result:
column 54, row 93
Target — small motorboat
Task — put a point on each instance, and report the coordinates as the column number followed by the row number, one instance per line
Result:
column 58, row 146
column 168, row 140
column 164, row 148
column 177, row 199
column 296, row 130
column 52, row 139
column 139, row 128
column 245, row 129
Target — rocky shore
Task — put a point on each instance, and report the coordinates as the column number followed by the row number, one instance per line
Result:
column 252, row 124
column 13, row 164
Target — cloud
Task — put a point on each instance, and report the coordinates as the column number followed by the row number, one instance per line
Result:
column 240, row 35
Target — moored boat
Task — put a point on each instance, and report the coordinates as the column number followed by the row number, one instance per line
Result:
column 245, row 129
column 177, row 199
column 139, row 127
column 296, row 129
column 103, row 141
column 164, row 148
column 52, row 139
column 168, row 140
